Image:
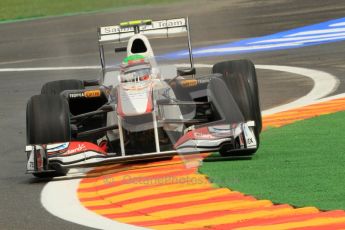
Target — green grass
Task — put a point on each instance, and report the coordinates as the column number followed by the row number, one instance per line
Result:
column 22, row 9
column 302, row 164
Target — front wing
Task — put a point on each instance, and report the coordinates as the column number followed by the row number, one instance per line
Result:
column 75, row 154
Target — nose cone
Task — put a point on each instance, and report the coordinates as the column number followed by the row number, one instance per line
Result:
column 134, row 99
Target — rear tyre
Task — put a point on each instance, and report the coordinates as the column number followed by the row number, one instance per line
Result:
column 47, row 121
column 240, row 78
column 56, row 87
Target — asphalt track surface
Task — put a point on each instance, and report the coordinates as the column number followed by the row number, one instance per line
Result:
column 71, row 41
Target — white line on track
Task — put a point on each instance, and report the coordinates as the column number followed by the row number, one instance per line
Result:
column 49, row 68
column 69, row 207
column 60, row 199
column 324, row 84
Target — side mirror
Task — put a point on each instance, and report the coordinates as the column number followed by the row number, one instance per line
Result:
column 186, row 71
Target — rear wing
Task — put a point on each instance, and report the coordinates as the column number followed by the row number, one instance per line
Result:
column 151, row 29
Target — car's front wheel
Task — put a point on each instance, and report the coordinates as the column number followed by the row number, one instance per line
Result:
column 47, row 121
column 239, row 77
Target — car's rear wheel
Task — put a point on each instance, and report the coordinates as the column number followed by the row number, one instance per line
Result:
column 47, row 121
column 56, row 87
column 240, row 78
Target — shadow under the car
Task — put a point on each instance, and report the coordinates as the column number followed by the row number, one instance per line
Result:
column 217, row 157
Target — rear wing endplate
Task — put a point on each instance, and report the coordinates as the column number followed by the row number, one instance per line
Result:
column 152, row 29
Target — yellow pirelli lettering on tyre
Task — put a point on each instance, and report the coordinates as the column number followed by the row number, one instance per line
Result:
column 189, row 83
column 92, row 93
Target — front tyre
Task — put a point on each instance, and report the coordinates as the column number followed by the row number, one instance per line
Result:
column 47, row 121
column 240, row 78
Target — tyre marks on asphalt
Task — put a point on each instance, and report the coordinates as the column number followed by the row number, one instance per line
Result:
column 169, row 195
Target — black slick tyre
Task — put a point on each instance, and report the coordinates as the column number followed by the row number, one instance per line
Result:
column 47, row 121
column 240, row 78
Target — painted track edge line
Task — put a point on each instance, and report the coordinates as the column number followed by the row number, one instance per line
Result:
column 324, row 84
column 48, row 68
column 78, row 214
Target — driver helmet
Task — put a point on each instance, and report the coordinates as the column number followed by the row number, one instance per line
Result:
column 135, row 69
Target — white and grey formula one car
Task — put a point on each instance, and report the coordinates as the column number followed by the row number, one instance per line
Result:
column 142, row 110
